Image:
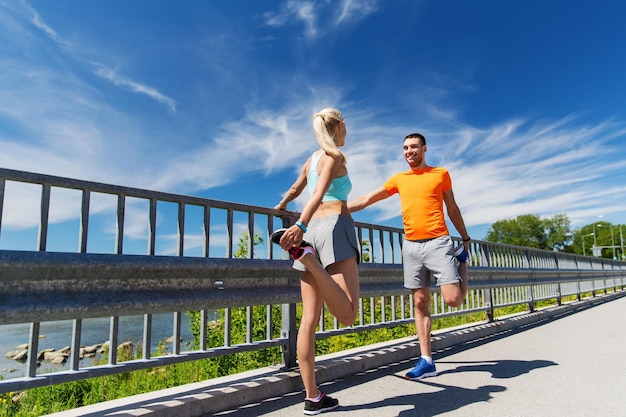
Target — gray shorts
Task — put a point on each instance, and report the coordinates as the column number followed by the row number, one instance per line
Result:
column 333, row 238
column 434, row 257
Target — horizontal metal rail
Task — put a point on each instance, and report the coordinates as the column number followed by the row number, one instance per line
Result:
column 226, row 275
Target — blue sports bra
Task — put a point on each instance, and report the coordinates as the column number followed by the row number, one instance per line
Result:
column 339, row 188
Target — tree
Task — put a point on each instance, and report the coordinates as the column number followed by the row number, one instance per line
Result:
column 243, row 247
column 532, row 231
column 365, row 249
column 559, row 232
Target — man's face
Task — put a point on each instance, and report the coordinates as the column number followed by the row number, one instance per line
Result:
column 414, row 152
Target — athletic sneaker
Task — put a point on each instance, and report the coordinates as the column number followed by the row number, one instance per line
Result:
column 275, row 237
column 325, row 403
column 297, row 252
column 422, row 369
column 461, row 254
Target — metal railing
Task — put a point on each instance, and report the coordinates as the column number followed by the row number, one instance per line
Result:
column 213, row 257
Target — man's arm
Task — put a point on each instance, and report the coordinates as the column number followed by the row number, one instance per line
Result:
column 454, row 213
column 363, row 201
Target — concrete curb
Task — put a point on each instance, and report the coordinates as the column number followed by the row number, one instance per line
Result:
column 225, row 393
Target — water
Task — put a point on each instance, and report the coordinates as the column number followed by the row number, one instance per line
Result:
column 58, row 334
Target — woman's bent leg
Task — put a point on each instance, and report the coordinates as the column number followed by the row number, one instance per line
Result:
column 339, row 286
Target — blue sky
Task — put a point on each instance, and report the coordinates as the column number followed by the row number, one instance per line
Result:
column 523, row 101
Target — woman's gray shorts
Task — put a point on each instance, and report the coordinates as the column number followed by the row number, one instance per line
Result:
column 333, row 238
column 424, row 258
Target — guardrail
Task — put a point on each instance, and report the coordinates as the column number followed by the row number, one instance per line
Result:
column 221, row 273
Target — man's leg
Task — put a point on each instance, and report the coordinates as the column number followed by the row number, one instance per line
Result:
column 454, row 293
column 464, row 278
column 423, row 322
column 425, row 366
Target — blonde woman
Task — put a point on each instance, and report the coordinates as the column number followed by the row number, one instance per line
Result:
column 324, row 247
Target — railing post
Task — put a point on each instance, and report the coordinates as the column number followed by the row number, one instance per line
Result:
column 289, row 332
column 288, row 323
column 531, row 302
column 33, row 349
column 593, row 289
column 489, row 303
column 113, row 338
column 558, row 294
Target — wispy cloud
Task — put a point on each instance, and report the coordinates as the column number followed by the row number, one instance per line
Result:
column 38, row 22
column 112, row 75
column 321, row 16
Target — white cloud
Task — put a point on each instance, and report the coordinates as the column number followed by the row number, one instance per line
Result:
column 111, row 74
column 321, row 16
column 513, row 168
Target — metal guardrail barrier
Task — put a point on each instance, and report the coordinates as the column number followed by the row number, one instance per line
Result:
column 221, row 274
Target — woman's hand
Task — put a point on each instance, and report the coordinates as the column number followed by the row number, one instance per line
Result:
column 291, row 238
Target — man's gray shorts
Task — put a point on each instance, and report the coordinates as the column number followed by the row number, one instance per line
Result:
column 333, row 238
column 424, row 258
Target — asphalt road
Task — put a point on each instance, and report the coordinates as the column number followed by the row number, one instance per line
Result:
column 573, row 365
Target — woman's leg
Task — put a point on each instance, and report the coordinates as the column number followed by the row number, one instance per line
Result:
column 339, row 286
column 311, row 310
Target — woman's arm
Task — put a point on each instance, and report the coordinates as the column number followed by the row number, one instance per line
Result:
column 296, row 188
column 329, row 165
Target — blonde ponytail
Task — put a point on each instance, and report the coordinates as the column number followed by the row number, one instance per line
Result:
column 325, row 124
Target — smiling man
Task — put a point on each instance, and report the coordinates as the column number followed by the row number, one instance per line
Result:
column 428, row 248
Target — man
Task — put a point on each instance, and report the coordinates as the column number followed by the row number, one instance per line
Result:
column 428, row 248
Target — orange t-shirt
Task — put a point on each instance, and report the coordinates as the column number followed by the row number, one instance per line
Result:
column 421, row 194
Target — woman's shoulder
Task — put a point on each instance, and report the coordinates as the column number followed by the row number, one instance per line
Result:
column 332, row 160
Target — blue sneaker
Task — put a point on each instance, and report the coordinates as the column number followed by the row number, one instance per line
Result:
column 422, row 369
column 461, row 254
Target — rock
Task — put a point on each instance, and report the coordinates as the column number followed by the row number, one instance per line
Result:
column 58, row 359
column 91, row 349
column 56, row 356
column 43, row 352
column 18, row 355
column 126, row 347
column 171, row 339
column 22, row 346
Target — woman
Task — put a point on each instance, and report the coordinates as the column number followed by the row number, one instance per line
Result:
column 324, row 247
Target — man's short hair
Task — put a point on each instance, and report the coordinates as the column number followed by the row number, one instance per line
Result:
column 418, row 136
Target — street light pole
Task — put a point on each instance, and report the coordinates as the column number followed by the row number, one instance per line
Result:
column 595, row 243
column 594, row 235
column 612, row 241
column 584, row 236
